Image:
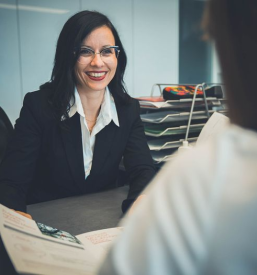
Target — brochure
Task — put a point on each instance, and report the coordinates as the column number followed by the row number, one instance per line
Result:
column 35, row 248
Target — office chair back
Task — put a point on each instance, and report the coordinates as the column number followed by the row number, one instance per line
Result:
column 6, row 130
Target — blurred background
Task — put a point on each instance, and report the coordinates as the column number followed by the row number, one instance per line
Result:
column 162, row 38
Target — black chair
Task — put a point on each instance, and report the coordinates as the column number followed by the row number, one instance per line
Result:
column 6, row 130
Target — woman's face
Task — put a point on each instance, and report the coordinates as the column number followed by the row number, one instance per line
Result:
column 92, row 73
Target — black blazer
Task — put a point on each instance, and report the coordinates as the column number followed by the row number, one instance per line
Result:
column 43, row 161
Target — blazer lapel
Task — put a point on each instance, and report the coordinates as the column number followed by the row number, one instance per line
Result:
column 103, row 145
column 73, row 146
column 104, row 142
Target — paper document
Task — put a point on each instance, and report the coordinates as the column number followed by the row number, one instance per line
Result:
column 11, row 219
column 35, row 248
column 101, row 238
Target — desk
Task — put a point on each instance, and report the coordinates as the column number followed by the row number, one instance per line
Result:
column 81, row 214
column 75, row 215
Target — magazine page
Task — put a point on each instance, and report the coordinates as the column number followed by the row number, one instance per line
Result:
column 57, row 233
column 11, row 219
column 101, row 238
column 33, row 252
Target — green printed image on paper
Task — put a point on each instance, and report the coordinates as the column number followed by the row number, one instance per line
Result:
column 56, row 233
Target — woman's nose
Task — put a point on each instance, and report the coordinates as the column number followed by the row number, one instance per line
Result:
column 97, row 60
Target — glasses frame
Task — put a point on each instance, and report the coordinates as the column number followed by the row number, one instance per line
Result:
column 78, row 49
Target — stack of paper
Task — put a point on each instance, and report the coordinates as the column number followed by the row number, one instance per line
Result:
column 182, row 103
column 160, row 130
column 160, row 144
column 172, row 116
column 163, row 155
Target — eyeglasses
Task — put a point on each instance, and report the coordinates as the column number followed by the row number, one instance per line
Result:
column 107, row 54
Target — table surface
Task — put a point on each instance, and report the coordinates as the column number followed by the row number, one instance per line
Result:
column 81, row 214
column 75, row 215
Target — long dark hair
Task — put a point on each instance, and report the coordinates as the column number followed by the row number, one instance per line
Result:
column 62, row 83
column 233, row 25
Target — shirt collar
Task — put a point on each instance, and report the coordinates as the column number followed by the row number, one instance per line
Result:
column 108, row 108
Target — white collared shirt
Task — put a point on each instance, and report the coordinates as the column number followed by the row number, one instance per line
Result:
column 199, row 214
column 107, row 113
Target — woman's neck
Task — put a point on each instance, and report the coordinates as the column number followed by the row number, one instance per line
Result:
column 91, row 102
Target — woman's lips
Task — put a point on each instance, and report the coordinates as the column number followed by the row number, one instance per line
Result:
column 96, row 76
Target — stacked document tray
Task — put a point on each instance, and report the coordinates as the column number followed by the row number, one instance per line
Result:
column 159, row 103
column 173, row 116
column 166, row 122
column 158, row 131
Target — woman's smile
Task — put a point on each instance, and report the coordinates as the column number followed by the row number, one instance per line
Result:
column 96, row 75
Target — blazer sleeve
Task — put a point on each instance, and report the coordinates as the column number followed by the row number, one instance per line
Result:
column 137, row 159
column 18, row 166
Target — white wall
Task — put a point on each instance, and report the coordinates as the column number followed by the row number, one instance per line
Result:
column 29, row 30
column 10, row 71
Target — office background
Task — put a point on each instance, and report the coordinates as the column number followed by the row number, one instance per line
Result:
column 162, row 39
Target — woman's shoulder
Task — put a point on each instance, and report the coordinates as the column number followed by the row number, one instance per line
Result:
column 134, row 102
column 38, row 103
column 130, row 104
column 129, row 111
column 39, row 95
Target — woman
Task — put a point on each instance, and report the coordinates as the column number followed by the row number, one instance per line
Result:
column 72, row 134
column 200, row 212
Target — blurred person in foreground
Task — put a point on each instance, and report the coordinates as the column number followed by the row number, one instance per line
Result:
column 199, row 216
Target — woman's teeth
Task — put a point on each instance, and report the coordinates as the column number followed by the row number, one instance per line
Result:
column 96, row 74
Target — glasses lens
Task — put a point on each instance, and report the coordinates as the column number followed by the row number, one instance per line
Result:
column 107, row 54
column 85, row 55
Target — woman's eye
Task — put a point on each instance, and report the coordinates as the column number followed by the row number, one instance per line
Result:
column 85, row 52
column 106, row 52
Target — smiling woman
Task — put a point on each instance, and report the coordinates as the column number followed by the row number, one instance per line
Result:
column 72, row 134
column 94, row 70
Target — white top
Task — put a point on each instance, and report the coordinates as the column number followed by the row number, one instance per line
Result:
column 107, row 113
column 199, row 216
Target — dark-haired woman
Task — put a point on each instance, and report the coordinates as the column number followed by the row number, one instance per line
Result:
column 72, row 134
